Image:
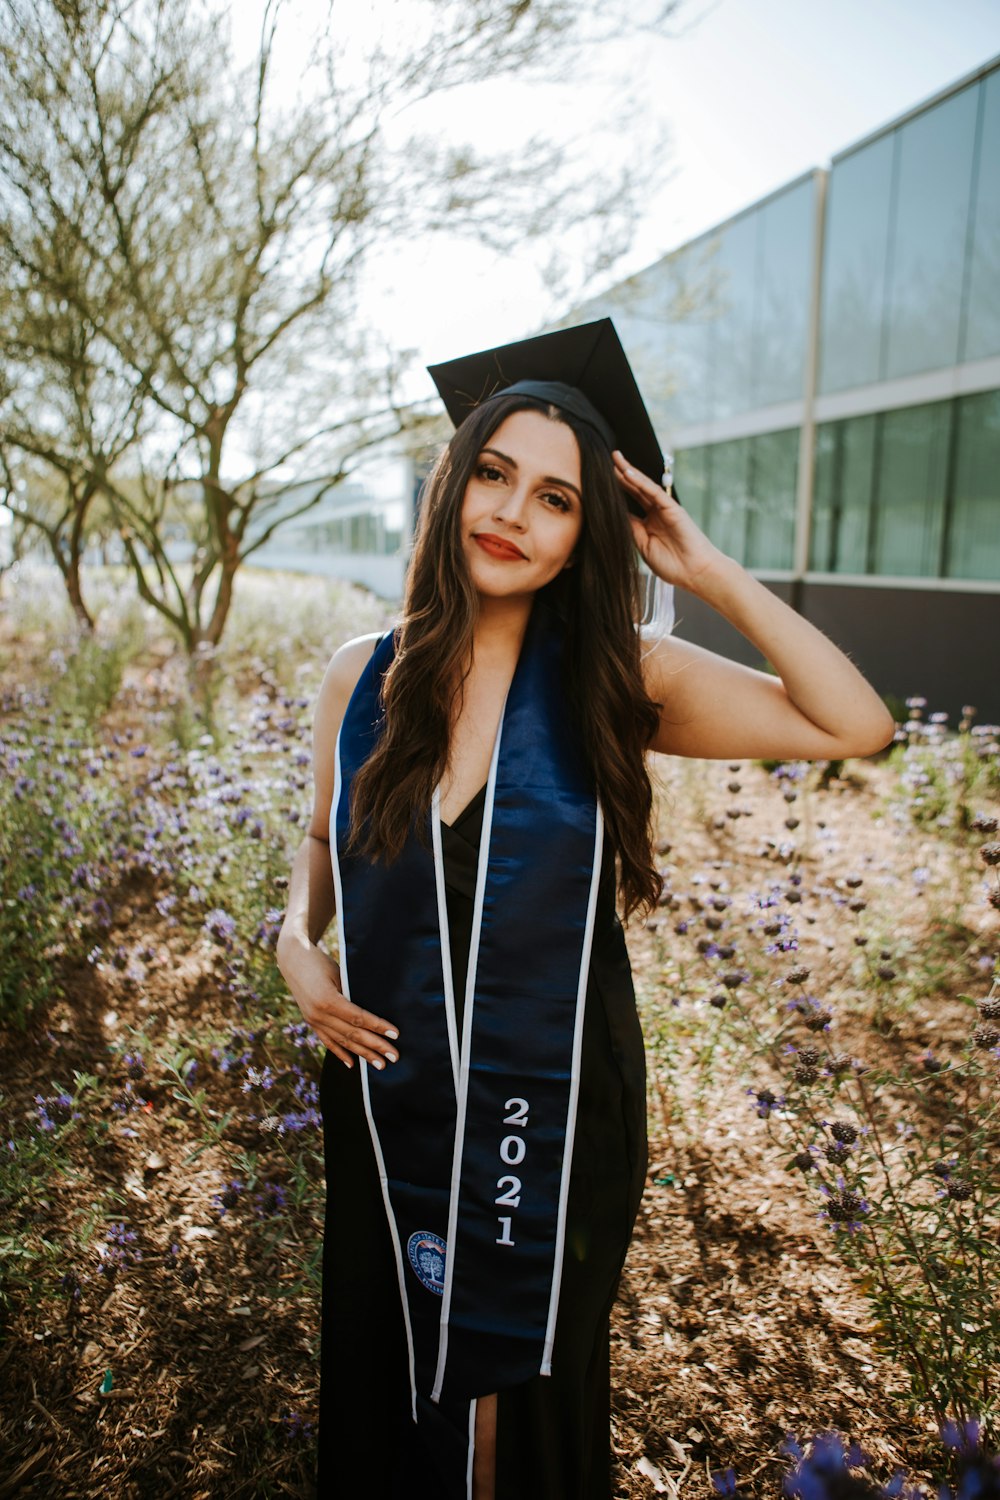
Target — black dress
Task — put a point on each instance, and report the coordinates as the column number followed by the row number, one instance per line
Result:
column 553, row 1432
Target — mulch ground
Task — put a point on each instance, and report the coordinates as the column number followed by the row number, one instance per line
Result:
column 736, row 1322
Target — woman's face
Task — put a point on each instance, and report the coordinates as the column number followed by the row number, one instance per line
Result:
column 523, row 511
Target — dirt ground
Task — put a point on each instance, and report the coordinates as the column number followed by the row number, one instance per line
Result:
column 736, row 1324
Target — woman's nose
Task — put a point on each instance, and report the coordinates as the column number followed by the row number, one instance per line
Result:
column 510, row 506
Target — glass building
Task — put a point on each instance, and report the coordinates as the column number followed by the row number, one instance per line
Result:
column 825, row 366
column 359, row 529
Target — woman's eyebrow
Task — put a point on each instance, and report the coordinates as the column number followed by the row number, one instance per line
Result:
column 546, row 478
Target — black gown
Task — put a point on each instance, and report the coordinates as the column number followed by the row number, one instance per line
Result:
column 553, row 1432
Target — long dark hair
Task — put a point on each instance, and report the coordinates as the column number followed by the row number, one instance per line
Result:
column 598, row 598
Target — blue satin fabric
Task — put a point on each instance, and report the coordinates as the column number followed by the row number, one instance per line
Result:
column 488, row 1329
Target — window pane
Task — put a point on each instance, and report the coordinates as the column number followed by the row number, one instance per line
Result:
column 909, row 510
column 691, row 472
column 663, row 319
column 982, row 331
column 727, row 496
column 731, row 311
column 929, row 236
column 974, row 534
column 822, row 536
column 842, row 496
column 771, row 510
column 857, row 234
column 854, row 497
column 688, row 362
column 783, row 294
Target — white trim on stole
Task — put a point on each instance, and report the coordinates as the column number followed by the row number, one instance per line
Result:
column 380, row 1159
column 574, row 1092
column 442, row 906
column 581, row 996
column 463, row 1083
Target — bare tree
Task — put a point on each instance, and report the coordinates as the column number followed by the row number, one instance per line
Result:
column 184, row 244
column 68, row 415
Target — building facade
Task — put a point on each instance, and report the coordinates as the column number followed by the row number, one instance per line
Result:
column 359, row 529
column 825, row 367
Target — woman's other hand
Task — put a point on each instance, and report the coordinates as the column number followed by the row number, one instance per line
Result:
column 672, row 545
column 311, row 975
column 314, row 980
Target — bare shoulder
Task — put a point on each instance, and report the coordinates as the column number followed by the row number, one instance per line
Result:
column 347, row 664
column 713, row 707
column 666, row 656
column 339, row 681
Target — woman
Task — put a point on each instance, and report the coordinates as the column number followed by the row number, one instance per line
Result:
column 481, row 796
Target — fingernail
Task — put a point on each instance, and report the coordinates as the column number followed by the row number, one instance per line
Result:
column 392, row 1057
column 394, row 1035
column 346, row 1063
column 378, row 1063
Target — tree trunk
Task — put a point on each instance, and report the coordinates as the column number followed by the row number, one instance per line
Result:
column 70, row 563
column 223, row 599
column 71, row 576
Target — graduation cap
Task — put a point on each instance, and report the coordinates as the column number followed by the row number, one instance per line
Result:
column 582, row 370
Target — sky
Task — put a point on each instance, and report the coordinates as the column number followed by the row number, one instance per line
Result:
column 754, row 92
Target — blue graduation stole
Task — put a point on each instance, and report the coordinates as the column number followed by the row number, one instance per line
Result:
column 473, row 1135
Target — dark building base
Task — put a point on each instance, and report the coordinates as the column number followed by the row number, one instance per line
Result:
column 937, row 644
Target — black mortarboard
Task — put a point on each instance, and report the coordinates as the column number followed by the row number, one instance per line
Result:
column 583, row 369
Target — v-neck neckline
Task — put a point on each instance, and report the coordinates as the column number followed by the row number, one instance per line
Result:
column 466, row 809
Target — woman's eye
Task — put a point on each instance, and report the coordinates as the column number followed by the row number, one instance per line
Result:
column 489, row 471
column 559, row 501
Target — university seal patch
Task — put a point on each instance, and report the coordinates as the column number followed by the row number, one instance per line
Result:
column 427, row 1252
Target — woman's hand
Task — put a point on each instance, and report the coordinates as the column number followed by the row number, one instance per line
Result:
column 314, row 980
column 672, row 545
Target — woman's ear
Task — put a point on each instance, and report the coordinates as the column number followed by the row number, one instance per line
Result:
column 569, row 562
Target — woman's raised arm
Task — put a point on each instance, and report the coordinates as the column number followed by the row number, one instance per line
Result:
column 819, row 707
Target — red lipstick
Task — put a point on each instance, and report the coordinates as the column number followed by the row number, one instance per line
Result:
column 497, row 547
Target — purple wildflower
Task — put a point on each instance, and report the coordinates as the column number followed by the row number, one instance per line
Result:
column 846, row 1208
column 221, row 925
column 824, row 1472
column 301, row 1035
column 229, row 1197
column 306, row 1119
column 978, row 1472
column 294, row 1427
column 266, row 935
column 765, row 1101
column 55, row 1110
column 103, row 915
column 271, row 1200
column 117, row 1251
column 724, row 1483
column 71, row 1284
column 257, row 1078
